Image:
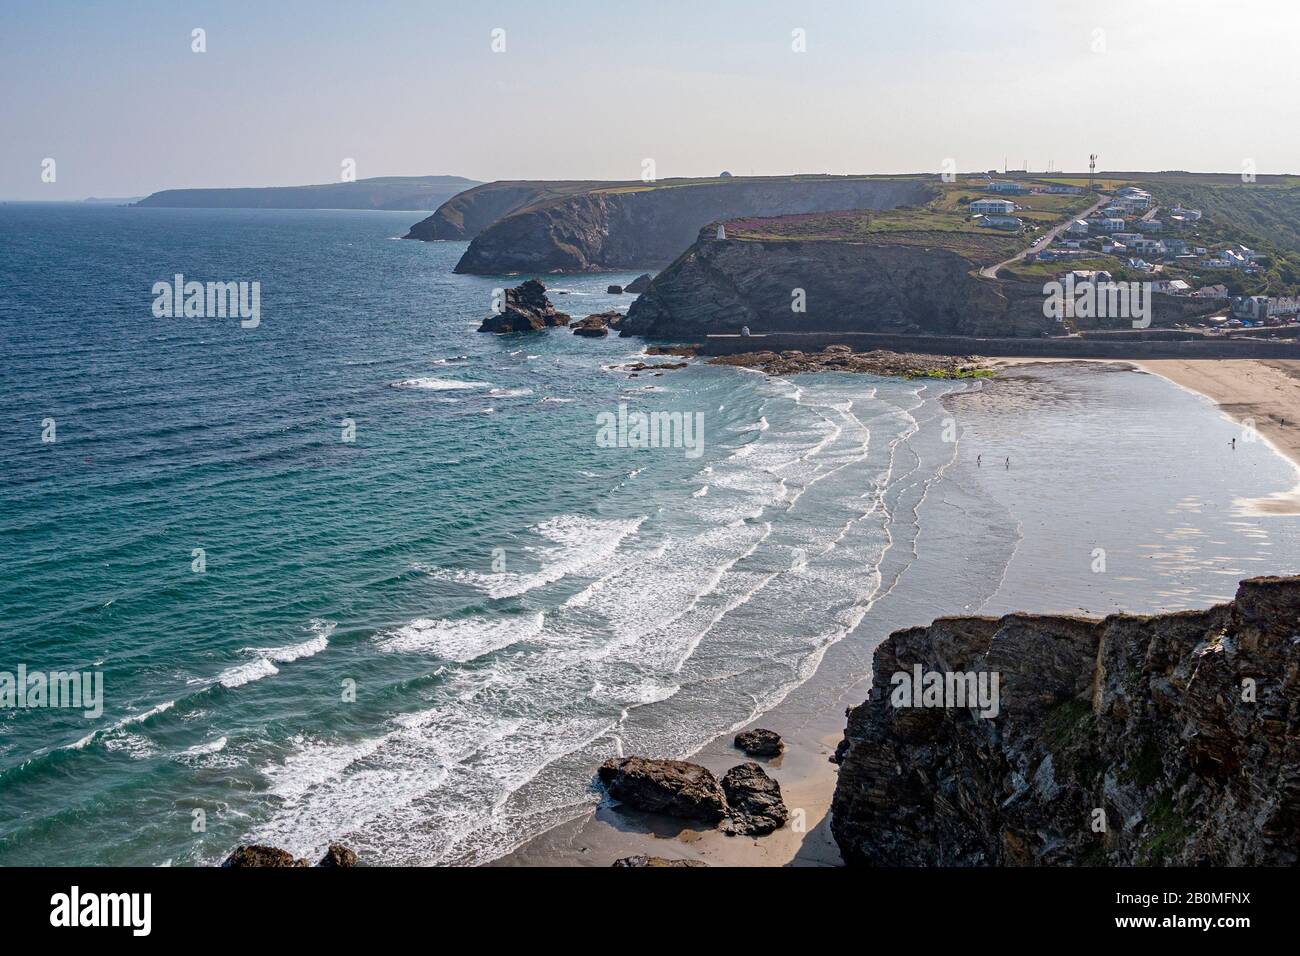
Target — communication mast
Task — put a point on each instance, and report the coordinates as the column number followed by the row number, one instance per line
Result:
column 1092, row 172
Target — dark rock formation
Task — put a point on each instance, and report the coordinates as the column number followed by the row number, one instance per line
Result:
column 652, row 367
column 754, row 804
column 563, row 227
column 1172, row 739
column 671, row 787
column 338, row 856
column 258, row 854
column 842, row 358
column 637, row 861
column 759, row 742
column 639, row 284
column 598, row 325
column 614, row 290
column 526, row 309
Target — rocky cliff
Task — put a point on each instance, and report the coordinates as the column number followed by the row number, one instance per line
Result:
column 722, row 286
column 631, row 225
column 1172, row 739
column 468, row 213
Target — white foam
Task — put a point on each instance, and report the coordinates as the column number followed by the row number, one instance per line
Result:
column 464, row 640
column 293, row 652
column 580, row 543
column 211, row 747
column 439, row 384
column 242, row 674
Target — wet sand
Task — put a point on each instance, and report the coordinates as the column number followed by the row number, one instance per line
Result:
column 1268, row 391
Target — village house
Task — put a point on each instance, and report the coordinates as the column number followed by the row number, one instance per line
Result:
column 1064, row 190
column 1078, row 228
column 1191, row 215
column 993, row 207
column 1007, row 188
column 1149, row 225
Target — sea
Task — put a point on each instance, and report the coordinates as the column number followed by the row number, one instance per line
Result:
column 361, row 573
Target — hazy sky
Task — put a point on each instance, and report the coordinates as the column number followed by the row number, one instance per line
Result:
column 287, row 90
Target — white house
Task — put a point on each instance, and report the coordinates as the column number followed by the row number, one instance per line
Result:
column 1078, row 228
column 1007, row 188
column 1191, row 215
column 993, row 207
column 1149, row 225
column 1148, row 247
column 1066, row 190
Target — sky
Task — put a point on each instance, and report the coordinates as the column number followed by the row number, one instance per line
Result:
column 286, row 91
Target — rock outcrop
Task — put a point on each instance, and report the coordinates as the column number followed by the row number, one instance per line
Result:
column 674, row 788
column 754, row 804
column 639, row 284
column 466, row 214
column 1172, row 739
column 654, row 861
column 338, row 856
column 563, row 227
column 526, row 309
column 259, row 854
column 726, row 286
column 759, row 742
column 614, row 290
column 598, row 325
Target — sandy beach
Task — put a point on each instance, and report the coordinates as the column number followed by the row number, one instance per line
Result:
column 812, row 724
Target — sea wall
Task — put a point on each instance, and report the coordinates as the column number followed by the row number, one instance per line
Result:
column 1166, row 740
column 1073, row 347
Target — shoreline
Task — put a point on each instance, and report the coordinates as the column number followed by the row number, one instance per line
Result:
column 1263, row 391
column 1269, row 391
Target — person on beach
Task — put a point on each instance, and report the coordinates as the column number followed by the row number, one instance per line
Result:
column 1008, row 461
column 1234, row 444
column 977, row 460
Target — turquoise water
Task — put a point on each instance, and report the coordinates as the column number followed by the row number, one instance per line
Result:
column 422, row 641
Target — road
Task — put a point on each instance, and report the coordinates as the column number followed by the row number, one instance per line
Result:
column 991, row 272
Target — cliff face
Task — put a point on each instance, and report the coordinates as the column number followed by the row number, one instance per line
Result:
column 1167, row 740
column 634, row 226
column 721, row 286
column 468, row 213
